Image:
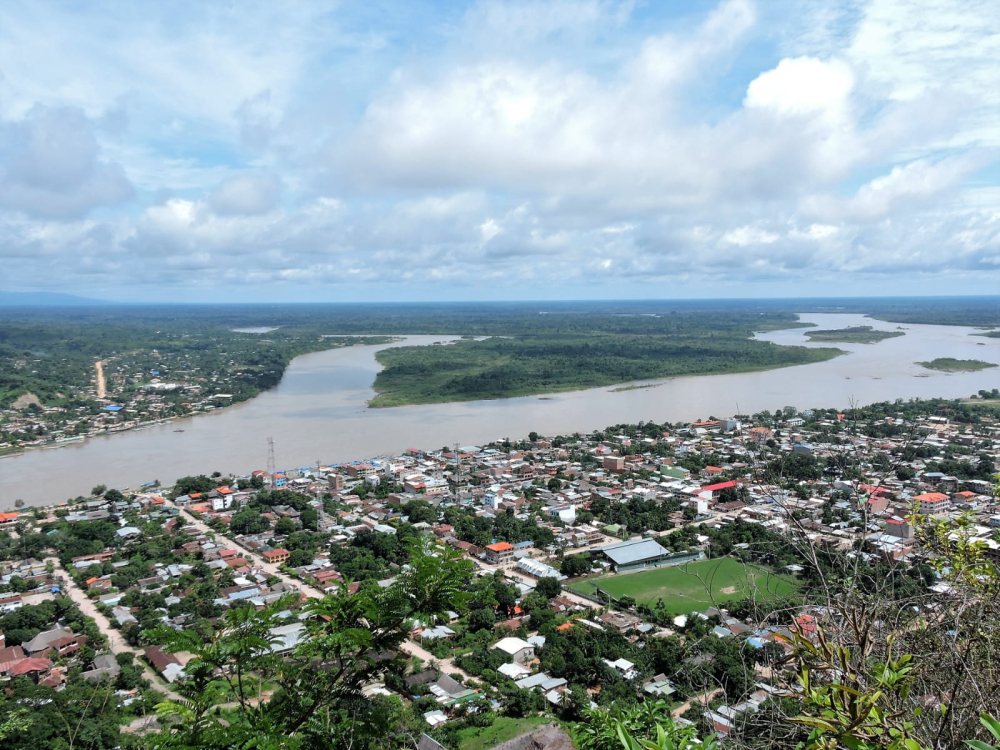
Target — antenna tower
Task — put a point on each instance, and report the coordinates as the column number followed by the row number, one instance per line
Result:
column 270, row 463
column 458, row 474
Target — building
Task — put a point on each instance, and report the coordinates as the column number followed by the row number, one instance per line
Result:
column 500, row 553
column 519, row 651
column 614, row 464
column 276, row 556
column 898, row 527
column 932, row 503
column 635, row 554
column 537, row 569
column 361, row 470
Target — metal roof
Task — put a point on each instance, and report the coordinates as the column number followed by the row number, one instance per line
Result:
column 634, row 550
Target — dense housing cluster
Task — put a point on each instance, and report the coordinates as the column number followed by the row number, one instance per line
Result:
column 648, row 562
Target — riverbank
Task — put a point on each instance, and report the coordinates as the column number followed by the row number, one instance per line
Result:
column 318, row 411
column 546, row 363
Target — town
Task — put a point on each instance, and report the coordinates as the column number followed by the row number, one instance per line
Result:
column 168, row 377
column 672, row 563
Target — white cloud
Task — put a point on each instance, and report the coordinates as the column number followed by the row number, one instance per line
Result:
column 246, row 195
column 803, row 86
column 578, row 144
column 51, row 166
column 747, row 235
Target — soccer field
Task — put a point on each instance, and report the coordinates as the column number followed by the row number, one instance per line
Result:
column 693, row 586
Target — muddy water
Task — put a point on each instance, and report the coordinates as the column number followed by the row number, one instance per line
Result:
column 318, row 411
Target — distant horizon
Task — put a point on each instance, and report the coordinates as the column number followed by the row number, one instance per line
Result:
column 98, row 301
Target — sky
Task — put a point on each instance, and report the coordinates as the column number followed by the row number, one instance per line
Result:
column 568, row 149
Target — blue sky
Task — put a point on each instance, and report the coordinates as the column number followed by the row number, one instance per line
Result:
column 499, row 150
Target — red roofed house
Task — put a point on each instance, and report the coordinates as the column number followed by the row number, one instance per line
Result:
column 9, row 657
column 932, row 503
column 806, row 625
column 33, row 667
column 715, row 489
column 898, row 527
column 500, row 553
column 712, row 470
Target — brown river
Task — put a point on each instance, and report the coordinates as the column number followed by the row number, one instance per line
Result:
column 318, row 412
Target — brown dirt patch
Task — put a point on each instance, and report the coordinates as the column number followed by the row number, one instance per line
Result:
column 25, row 400
column 728, row 590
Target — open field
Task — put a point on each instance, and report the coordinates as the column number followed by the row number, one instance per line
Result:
column 693, row 586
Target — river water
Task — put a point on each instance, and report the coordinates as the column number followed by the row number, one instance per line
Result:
column 318, row 412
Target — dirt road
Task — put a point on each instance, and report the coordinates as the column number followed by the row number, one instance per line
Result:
column 116, row 642
column 702, row 699
column 102, row 387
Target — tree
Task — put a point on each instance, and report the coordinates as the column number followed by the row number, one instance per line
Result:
column 533, row 436
column 554, row 485
column 575, row 565
column 309, row 518
column 99, row 490
column 319, row 683
column 284, row 526
column 548, row 587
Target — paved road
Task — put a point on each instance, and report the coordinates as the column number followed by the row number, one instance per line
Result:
column 116, row 642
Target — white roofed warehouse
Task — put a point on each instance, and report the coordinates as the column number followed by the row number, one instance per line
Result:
column 635, row 554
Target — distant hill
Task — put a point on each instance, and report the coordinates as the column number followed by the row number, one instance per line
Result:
column 47, row 299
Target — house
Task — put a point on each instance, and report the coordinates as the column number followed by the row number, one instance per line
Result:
column 932, row 503
column 222, row 498
column 33, row 667
column 105, row 664
column 659, row 686
column 620, row 621
column 66, row 645
column 276, row 556
column 520, row 651
column 167, row 665
column 614, row 464
column 45, row 639
column 9, row 657
column 499, row 553
column 624, row 667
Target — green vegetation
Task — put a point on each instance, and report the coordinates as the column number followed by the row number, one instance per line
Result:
column 949, row 364
column 504, row 367
column 852, row 335
column 502, row 729
column 694, row 586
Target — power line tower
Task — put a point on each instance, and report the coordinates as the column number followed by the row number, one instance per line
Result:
column 458, row 473
column 271, row 470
